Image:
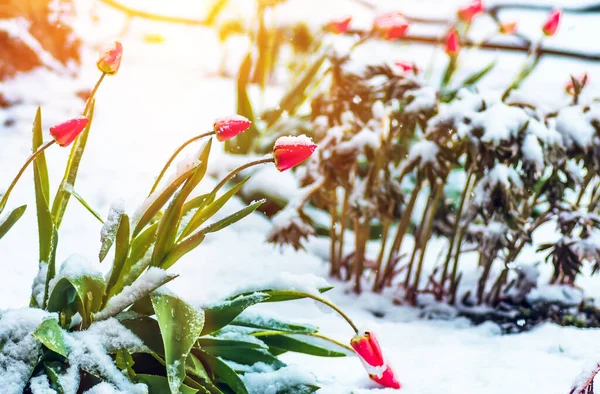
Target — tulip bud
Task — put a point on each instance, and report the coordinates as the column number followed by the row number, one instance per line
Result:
column 367, row 347
column 407, row 66
column 581, row 81
column 468, row 12
column 508, row 28
column 391, row 26
column 551, row 25
column 110, row 59
column 291, row 151
column 228, row 127
column 65, row 133
column 452, row 47
column 340, row 25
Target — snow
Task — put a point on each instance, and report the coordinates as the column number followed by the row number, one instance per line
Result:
column 41, row 385
column 144, row 285
column 74, row 267
column 575, row 125
column 500, row 123
column 276, row 381
column 104, row 388
column 135, row 132
column 39, row 283
column 89, row 350
column 423, row 100
column 20, row 350
column 292, row 140
column 109, row 229
column 19, row 27
column 307, row 283
column 361, row 140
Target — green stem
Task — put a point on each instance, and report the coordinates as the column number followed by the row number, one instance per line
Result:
column 308, row 334
column 31, row 158
column 523, row 72
column 153, row 17
column 329, row 304
column 174, row 155
column 192, row 225
column 240, row 169
column 88, row 103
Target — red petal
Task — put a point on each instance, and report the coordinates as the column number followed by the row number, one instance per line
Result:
column 229, row 127
column 65, row 133
column 367, row 347
column 291, row 151
column 387, row 379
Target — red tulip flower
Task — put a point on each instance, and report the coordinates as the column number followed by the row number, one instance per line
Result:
column 391, row 26
column 508, row 28
column 291, row 151
column 367, row 347
column 407, row 66
column 65, row 133
column 340, row 25
column 452, row 46
column 110, row 59
column 582, row 80
column 468, row 12
column 228, row 127
column 551, row 25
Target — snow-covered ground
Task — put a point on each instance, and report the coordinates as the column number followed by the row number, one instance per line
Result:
column 161, row 97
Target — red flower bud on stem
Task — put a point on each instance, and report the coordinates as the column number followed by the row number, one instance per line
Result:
column 110, row 58
column 407, row 66
column 340, row 25
column 65, row 133
column 468, row 12
column 367, row 347
column 391, row 26
column 581, row 80
column 290, row 151
column 452, row 46
column 551, row 25
column 508, row 28
column 229, row 127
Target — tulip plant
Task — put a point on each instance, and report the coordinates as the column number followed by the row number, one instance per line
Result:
column 123, row 331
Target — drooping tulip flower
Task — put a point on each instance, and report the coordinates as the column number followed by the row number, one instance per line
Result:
column 230, row 126
column 367, row 347
column 65, row 133
column 452, row 46
column 110, row 58
column 468, row 12
column 582, row 80
column 291, row 151
column 551, row 25
column 407, row 66
column 508, row 28
column 340, row 25
column 391, row 26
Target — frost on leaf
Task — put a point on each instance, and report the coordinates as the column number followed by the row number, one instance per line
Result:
column 110, row 227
